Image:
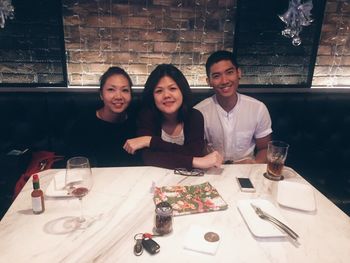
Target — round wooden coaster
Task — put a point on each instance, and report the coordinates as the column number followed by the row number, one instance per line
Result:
column 273, row 178
column 211, row 237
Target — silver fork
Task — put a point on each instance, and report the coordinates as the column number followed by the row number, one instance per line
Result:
column 275, row 221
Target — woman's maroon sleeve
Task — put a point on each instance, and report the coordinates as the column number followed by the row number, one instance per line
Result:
column 171, row 155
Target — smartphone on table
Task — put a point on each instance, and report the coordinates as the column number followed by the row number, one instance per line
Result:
column 245, row 184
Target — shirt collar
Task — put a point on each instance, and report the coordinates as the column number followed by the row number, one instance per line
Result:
column 222, row 111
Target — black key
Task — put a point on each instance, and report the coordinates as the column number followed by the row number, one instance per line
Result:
column 150, row 245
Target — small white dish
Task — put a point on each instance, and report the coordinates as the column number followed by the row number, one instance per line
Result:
column 257, row 226
column 56, row 186
column 297, row 195
column 195, row 240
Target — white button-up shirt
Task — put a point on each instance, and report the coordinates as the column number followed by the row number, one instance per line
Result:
column 233, row 133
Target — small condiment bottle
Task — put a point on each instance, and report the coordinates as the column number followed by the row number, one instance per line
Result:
column 164, row 218
column 37, row 196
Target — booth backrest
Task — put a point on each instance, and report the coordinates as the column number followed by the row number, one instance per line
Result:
column 315, row 124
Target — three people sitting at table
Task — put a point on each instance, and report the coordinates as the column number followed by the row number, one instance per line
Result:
column 235, row 124
column 171, row 132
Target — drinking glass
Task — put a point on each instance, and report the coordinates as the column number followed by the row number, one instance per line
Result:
column 276, row 156
column 78, row 180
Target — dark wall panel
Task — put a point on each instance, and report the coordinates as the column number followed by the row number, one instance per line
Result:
column 268, row 58
column 32, row 45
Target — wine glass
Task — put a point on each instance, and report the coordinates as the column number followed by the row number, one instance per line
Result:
column 78, row 180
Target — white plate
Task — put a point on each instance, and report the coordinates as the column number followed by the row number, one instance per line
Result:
column 260, row 227
column 296, row 195
column 288, row 172
column 56, row 186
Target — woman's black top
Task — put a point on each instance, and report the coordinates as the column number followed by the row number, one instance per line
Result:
column 102, row 142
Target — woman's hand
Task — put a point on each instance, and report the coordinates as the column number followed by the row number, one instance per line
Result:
column 132, row 145
column 213, row 159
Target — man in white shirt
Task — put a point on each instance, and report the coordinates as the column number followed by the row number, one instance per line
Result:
column 236, row 125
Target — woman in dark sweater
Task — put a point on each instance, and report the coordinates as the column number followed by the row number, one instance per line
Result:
column 101, row 134
column 171, row 131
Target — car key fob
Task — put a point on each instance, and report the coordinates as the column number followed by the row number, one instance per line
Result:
column 138, row 248
column 150, row 245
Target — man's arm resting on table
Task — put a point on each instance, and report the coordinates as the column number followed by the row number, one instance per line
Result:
column 261, row 154
column 261, row 147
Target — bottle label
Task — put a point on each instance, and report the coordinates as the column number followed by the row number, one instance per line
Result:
column 36, row 204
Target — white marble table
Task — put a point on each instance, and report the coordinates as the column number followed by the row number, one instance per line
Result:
column 121, row 205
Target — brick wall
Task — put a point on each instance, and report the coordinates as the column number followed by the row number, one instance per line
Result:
column 333, row 59
column 138, row 35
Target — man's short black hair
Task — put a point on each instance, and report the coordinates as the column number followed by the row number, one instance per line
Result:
column 218, row 56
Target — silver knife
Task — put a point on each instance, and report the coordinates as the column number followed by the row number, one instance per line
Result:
column 263, row 215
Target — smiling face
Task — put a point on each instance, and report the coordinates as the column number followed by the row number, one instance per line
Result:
column 116, row 94
column 167, row 96
column 224, row 78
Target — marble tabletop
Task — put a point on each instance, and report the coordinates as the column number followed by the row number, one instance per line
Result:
column 120, row 205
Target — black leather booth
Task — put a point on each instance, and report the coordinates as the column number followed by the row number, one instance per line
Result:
column 315, row 123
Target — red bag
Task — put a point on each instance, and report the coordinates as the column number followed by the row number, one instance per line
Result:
column 40, row 161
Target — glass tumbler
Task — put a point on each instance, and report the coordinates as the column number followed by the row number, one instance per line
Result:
column 163, row 218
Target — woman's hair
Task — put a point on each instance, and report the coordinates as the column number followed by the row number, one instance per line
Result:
column 114, row 71
column 171, row 71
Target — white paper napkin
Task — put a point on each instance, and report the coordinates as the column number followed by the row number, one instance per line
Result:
column 194, row 240
column 56, row 187
column 59, row 180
